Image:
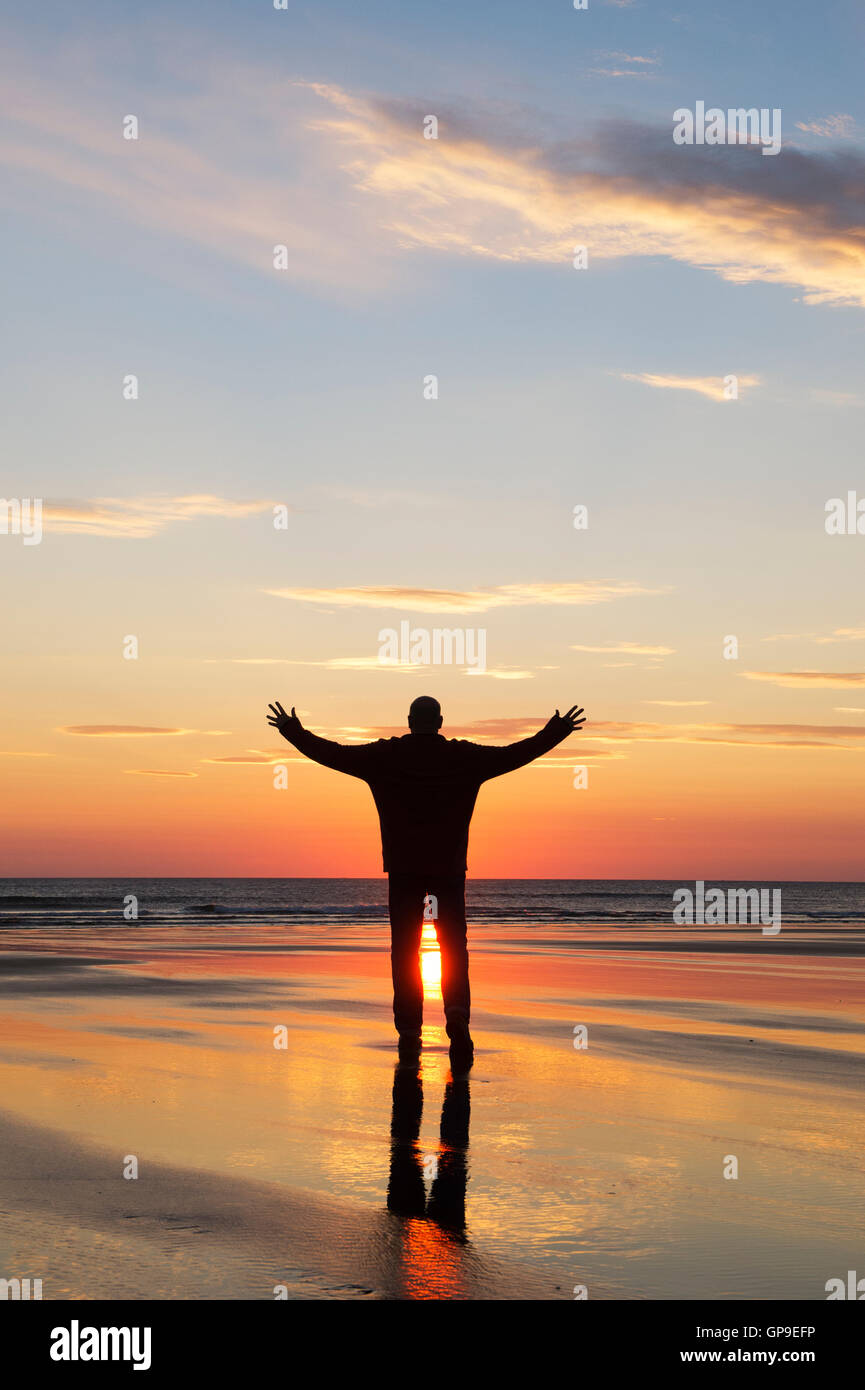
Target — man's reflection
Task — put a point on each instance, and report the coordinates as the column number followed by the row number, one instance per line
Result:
column 448, row 1166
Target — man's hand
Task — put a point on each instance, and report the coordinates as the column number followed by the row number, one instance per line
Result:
column 566, row 723
column 288, row 724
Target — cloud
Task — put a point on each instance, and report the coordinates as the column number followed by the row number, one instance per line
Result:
column 711, row 386
column 837, row 127
column 134, row 731
column 396, row 596
column 622, row 188
column 376, row 663
column 790, row 736
column 844, row 731
column 797, row 680
column 637, row 67
column 120, row 730
column 255, row 755
column 261, row 661
column 677, row 703
column 772, row 743
column 501, row 673
column 157, row 772
column 363, row 663
column 138, row 518
column 839, row 634
column 621, row 72
column 197, row 173
column 237, row 158
column 584, row 756
column 633, row 648
column 243, row 758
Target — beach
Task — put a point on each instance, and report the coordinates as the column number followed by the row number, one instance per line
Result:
column 653, row 1113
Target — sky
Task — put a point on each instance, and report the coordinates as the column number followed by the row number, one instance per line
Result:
column 304, row 386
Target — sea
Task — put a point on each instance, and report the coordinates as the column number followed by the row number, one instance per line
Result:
column 322, row 902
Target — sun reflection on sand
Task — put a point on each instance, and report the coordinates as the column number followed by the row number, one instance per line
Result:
column 163, row 1043
column 431, row 1260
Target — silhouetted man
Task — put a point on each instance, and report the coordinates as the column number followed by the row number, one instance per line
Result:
column 425, row 787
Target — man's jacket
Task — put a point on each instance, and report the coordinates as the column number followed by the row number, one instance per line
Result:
column 425, row 787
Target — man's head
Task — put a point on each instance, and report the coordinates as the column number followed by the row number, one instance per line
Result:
column 425, row 715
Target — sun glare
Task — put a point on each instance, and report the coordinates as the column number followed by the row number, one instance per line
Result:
column 430, row 962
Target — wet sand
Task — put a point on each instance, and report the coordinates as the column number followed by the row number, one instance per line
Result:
column 322, row 1170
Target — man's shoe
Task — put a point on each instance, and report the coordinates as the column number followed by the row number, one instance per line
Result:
column 409, row 1044
column 462, row 1049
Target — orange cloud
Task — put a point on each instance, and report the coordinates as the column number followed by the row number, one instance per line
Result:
column 797, row 680
column 837, row 127
column 120, row 730
column 633, row 648
column 371, row 663
column 331, row 663
column 138, row 518
column 847, row 736
column 622, row 189
column 467, row 600
column 839, row 634
column 711, row 386
column 253, row 755
column 157, row 772
column 677, row 702
column 501, row 673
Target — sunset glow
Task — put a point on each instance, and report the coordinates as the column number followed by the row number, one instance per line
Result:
column 430, row 962
column 217, row 522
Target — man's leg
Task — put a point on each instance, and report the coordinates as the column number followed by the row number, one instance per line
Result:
column 405, row 904
column 451, row 930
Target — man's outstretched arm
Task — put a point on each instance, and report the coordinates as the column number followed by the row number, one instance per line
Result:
column 353, row 758
column 494, row 761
